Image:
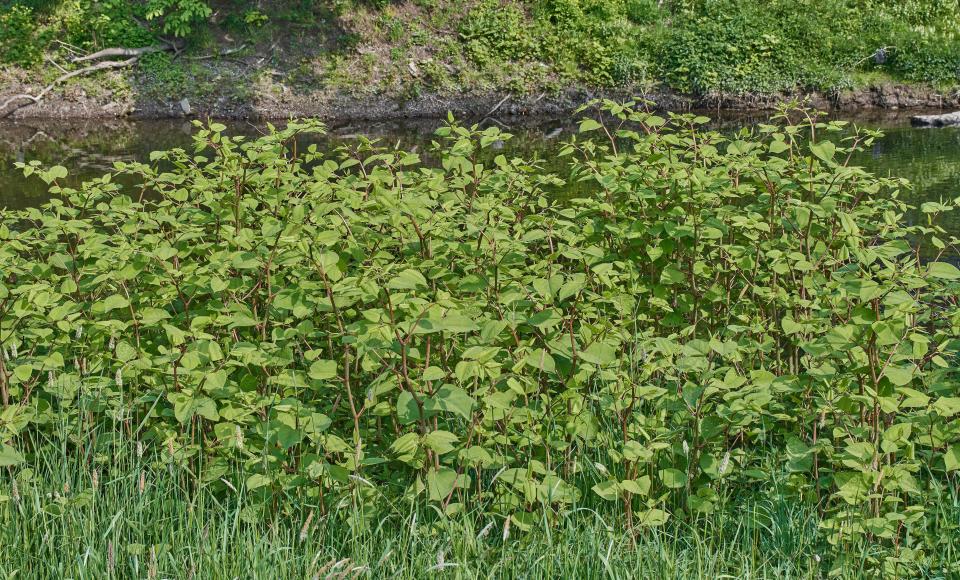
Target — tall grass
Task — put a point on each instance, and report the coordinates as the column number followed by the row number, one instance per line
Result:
column 141, row 517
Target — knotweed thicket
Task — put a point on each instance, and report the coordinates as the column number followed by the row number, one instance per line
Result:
column 699, row 315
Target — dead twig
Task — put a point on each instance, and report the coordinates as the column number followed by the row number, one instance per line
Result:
column 218, row 54
column 54, row 63
column 74, row 50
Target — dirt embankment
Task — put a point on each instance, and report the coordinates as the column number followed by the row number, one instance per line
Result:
column 95, row 99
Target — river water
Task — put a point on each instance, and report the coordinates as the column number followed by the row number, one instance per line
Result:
column 929, row 158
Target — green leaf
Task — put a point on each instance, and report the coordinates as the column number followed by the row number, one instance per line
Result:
column 639, row 486
column 898, row 432
column 453, row 400
column 540, row 359
column 441, row 482
column 899, row 375
column 652, row 517
column 571, row 288
column 778, row 146
column 790, row 326
column 215, row 380
column 407, row 280
column 404, row 448
column 671, row 275
column 589, row 125
column 440, row 441
column 258, row 480
column 947, row 406
column 23, row 372
column 608, row 490
column 55, row 172
column 635, row 451
column 114, row 302
column 9, row 456
column 185, row 407
column 673, row 478
column 206, row 408
column 599, row 353
column 189, row 361
column 322, row 370
column 546, row 318
column 407, row 409
column 952, row 457
column 943, row 270
column 824, row 150
column 457, row 323
column 126, row 351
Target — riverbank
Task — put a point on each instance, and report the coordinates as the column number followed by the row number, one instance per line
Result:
column 81, row 101
column 347, row 60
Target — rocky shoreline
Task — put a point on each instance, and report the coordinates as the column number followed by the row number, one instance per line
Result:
column 73, row 102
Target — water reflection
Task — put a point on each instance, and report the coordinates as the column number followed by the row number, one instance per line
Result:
column 929, row 158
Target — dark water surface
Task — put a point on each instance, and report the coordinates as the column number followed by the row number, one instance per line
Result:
column 929, row 158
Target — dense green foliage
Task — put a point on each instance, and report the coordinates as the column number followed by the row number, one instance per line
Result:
column 695, row 46
column 28, row 28
column 704, row 319
column 706, row 46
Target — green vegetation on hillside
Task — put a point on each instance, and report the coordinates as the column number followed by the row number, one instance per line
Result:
column 679, row 331
column 701, row 47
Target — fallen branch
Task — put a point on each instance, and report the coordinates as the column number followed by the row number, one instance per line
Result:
column 111, row 52
column 74, row 50
column 54, row 63
column 34, row 99
column 500, row 104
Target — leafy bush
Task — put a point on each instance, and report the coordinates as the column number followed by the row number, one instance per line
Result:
column 701, row 316
column 27, row 28
column 928, row 60
column 179, row 17
column 166, row 76
column 493, row 31
column 642, row 11
column 711, row 46
column 107, row 23
column 763, row 48
column 20, row 40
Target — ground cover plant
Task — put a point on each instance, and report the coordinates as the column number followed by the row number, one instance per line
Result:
column 679, row 331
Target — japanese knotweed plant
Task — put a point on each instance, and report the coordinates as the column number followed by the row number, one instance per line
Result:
column 702, row 316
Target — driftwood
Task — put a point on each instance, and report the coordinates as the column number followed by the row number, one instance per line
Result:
column 9, row 106
column 936, row 120
column 111, row 52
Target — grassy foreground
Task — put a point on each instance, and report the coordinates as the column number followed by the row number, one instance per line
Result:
column 143, row 518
